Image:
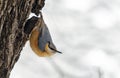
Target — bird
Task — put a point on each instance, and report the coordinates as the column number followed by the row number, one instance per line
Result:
column 41, row 41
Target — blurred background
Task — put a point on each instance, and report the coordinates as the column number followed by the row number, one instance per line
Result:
column 88, row 34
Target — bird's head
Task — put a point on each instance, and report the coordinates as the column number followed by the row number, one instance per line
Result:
column 50, row 48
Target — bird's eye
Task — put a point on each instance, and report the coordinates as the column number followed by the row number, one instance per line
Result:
column 51, row 46
column 49, row 43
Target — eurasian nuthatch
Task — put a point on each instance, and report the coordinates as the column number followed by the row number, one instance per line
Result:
column 41, row 41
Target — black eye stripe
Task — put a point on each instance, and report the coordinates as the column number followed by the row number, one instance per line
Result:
column 50, row 47
column 53, row 48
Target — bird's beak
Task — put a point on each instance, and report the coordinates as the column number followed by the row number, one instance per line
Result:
column 59, row 52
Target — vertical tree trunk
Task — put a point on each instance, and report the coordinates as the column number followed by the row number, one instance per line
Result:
column 13, row 18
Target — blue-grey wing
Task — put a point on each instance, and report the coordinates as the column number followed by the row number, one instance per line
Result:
column 44, row 37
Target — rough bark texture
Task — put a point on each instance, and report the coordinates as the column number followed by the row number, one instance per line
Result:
column 13, row 32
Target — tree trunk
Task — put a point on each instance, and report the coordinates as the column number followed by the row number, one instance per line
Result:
column 15, row 30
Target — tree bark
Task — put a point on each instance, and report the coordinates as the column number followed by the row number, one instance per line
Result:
column 15, row 30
